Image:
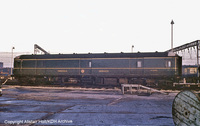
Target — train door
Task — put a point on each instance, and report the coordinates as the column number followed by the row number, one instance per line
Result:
column 17, row 66
column 40, row 67
column 137, row 67
column 85, row 67
column 86, row 71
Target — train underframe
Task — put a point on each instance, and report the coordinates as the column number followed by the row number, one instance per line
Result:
column 115, row 81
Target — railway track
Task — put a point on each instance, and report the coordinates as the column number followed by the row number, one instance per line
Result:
column 103, row 86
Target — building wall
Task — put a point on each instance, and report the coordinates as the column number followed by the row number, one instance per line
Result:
column 5, row 57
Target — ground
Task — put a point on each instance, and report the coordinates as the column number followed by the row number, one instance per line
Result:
column 27, row 105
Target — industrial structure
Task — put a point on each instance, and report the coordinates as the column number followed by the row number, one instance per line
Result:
column 190, row 57
column 193, row 51
column 37, row 49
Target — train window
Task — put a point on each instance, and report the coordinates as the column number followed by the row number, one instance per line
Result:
column 185, row 70
column 90, row 64
column 169, row 64
column 193, row 70
column 139, row 63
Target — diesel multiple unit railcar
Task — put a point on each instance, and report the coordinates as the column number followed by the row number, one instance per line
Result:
column 190, row 73
column 99, row 69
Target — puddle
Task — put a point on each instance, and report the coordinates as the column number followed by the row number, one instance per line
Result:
column 161, row 117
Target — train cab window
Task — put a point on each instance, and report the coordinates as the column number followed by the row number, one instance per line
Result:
column 169, row 64
column 139, row 64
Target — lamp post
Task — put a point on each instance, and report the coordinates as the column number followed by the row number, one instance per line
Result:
column 132, row 48
column 172, row 23
column 198, row 42
column 11, row 68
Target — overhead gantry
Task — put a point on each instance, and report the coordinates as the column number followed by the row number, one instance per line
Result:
column 37, row 48
column 195, row 45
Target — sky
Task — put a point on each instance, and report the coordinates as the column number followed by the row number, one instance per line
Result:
column 97, row 26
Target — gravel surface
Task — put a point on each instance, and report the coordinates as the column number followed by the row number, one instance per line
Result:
column 26, row 105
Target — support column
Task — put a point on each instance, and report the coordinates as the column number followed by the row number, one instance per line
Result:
column 198, row 42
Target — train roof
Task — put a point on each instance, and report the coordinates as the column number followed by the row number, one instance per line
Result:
column 189, row 66
column 98, row 55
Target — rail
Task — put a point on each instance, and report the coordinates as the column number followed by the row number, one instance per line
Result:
column 186, row 84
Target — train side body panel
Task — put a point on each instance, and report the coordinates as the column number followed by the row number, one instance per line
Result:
column 148, row 65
